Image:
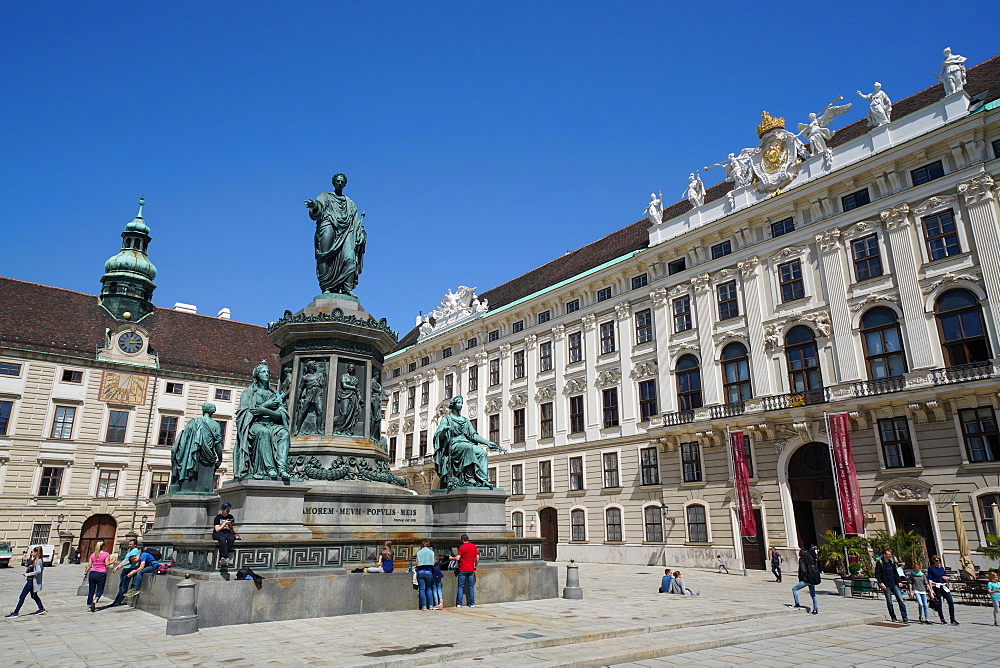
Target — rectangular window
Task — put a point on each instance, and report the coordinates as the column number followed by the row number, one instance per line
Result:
column 544, row 317
column 411, row 397
column 988, row 505
column 517, row 327
column 643, row 326
column 544, row 477
column 408, row 447
column 982, row 439
column 720, row 250
column 996, row 154
column 518, row 364
column 650, row 466
column 62, row 423
column 653, row 523
column 518, row 425
column 647, row 400
column 611, row 407
column 613, row 524
column 446, row 352
column 423, row 443
column 782, row 227
column 495, row 428
column 494, row 372
column 517, row 524
column 175, row 388
column 159, row 481
column 576, row 414
column 867, row 257
column 51, row 481
column 610, row 461
column 40, row 534
column 896, row 447
column 545, row 413
column 790, row 279
column 475, row 424
column 607, row 337
column 941, row 235
column 117, row 421
column 575, row 473
column 682, row 314
column 71, row 376
column 545, row 356
column 473, row 378
column 748, row 455
column 676, row 266
column 223, row 395
column 396, row 372
column 572, row 306
column 411, row 367
column 5, row 410
column 517, row 479
column 640, row 281
column 577, row 525
column 222, row 431
column 854, row 200
column 691, row 462
column 494, row 335
column 107, row 484
column 472, row 343
column 395, row 402
column 575, row 343
column 729, row 306
column 449, row 385
column 697, row 524
column 491, row 476
column 920, row 175
column 168, row 430
column 425, row 393
column 603, row 294
column 425, row 360
column 10, row 369
column 393, row 445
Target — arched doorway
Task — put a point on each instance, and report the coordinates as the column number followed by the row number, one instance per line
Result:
column 814, row 497
column 548, row 518
column 97, row 528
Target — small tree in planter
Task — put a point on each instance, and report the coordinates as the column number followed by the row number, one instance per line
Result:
column 992, row 549
column 907, row 546
column 837, row 551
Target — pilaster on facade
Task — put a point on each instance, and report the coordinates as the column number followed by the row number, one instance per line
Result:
column 832, row 269
column 979, row 195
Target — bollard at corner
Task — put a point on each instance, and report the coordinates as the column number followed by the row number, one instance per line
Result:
column 572, row 588
column 185, row 617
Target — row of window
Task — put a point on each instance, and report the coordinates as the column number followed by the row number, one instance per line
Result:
column 652, row 521
column 52, row 478
column 649, row 473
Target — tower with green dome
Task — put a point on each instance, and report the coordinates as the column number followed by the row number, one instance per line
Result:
column 127, row 291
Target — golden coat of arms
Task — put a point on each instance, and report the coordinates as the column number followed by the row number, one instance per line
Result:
column 776, row 162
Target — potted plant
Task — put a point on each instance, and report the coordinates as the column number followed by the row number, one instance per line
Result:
column 847, row 555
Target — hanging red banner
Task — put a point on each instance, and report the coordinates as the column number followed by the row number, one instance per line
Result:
column 741, row 476
column 845, row 475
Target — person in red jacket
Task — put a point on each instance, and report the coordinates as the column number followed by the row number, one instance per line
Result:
column 468, row 560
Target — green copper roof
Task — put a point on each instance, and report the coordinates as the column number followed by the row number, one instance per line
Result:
column 130, row 261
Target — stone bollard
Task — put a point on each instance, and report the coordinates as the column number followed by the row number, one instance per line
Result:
column 185, row 617
column 572, row 588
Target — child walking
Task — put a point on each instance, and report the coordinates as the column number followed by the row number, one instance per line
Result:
column 993, row 587
column 919, row 587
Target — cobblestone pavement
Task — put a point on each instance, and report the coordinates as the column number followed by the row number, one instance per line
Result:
column 736, row 620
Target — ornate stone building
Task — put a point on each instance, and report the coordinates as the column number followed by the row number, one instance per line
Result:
column 93, row 391
column 859, row 278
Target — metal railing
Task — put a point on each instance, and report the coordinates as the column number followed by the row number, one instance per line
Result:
column 727, row 410
column 962, row 373
column 796, row 399
column 876, row 386
column 680, row 417
column 419, row 461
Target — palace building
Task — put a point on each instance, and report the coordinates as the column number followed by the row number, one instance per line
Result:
column 859, row 278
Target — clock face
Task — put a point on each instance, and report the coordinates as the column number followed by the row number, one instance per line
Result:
column 130, row 342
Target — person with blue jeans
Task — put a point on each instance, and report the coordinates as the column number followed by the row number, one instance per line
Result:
column 142, row 563
column 468, row 560
column 438, row 581
column 665, row 581
column 425, row 576
column 809, row 576
column 125, row 567
column 887, row 574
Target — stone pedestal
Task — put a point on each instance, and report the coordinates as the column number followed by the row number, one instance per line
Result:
column 182, row 517
column 477, row 512
column 267, row 509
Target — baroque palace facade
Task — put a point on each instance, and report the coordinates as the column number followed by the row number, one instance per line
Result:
column 93, row 391
column 862, row 277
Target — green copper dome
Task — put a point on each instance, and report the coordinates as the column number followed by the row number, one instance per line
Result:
column 130, row 261
column 137, row 225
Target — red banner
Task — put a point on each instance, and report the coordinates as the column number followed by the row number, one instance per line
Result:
column 741, row 476
column 844, row 474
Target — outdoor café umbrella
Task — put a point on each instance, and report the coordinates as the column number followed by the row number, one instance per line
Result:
column 968, row 569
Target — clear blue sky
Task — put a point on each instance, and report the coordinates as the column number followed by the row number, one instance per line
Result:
column 482, row 141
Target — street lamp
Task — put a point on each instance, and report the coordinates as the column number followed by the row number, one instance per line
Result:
column 60, row 518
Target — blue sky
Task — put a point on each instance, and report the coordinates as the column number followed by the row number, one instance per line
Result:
column 482, row 141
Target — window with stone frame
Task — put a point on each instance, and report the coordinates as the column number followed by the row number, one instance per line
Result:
column 545, row 356
column 494, row 335
column 804, row 372
column 393, row 448
column 691, row 462
column 613, row 525
column 782, row 227
column 446, row 352
column 611, row 477
column 921, row 175
column 883, row 344
column 722, row 249
column 643, row 326
column 979, row 430
column 640, row 281
column 425, row 360
column 396, row 372
column 62, row 422
column 472, row 343
column 574, row 342
column 10, row 369
column 543, row 317
column 652, row 519
column 941, row 235
column 473, row 378
column 222, row 394
column 989, row 512
column 545, row 412
column 736, row 387
column 962, row 328
column 996, row 148
column 610, row 404
column 729, row 305
column 168, row 430
column 545, row 476
column 107, row 483
column 117, row 422
column 51, row 482
column 408, row 447
column 40, row 534
column 517, row 523
column 175, row 388
column 494, row 372
column 578, row 525
column 682, row 314
column 518, row 415
column 491, row 476
column 411, row 367
column 518, row 364
column 517, row 479
column 576, row 476
column 576, row 423
column 425, row 393
column 867, row 257
column 159, row 481
column 449, row 385
column 573, row 305
column 517, row 327
column 790, row 281
column 395, row 401
column 897, row 450
column 676, row 266
column 72, row 376
column 494, row 428
column 423, row 443
column 697, row 523
column 411, row 397
column 604, row 294
column 688, row 374
column 6, row 407
column 649, row 466
column 855, row 199
column 607, row 337
column 647, row 400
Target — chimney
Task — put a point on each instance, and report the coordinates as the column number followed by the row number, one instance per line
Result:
column 225, row 314
column 185, row 308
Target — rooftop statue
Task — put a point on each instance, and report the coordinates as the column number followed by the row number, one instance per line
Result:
column 695, row 191
column 458, row 459
column 817, row 132
column 952, row 72
column 196, row 454
column 879, row 106
column 262, row 439
column 738, row 171
column 340, row 239
column 655, row 209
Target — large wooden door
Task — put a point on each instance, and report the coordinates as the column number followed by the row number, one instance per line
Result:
column 549, row 519
column 754, row 550
column 97, row 528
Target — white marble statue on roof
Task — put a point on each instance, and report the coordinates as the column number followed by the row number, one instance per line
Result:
column 695, row 191
column 818, row 132
column 952, row 72
column 879, row 106
column 738, row 171
column 655, row 209
column 455, row 307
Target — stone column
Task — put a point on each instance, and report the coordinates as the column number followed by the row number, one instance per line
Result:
column 591, row 351
column 483, row 370
column 532, row 427
column 905, row 264
column 663, row 326
column 628, row 392
column 560, row 404
column 752, row 297
column 705, row 312
column 506, row 376
column 980, row 200
column 831, row 266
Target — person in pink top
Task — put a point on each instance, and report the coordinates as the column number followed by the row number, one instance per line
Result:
column 96, row 574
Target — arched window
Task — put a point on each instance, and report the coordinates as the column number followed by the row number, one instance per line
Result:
column 688, row 383
column 578, row 525
column 653, row 520
column 963, row 332
column 883, row 344
column 613, row 524
column 697, row 523
column 803, row 362
column 517, row 523
column 736, row 373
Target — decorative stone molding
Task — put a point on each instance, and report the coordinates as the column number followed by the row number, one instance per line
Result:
column 935, row 407
column 530, row 340
column 950, row 277
column 454, row 309
column 724, row 275
column 829, row 240
column 623, row 310
column 659, row 297
column 680, row 347
column 917, row 412
column 870, row 299
column 711, row 438
column 545, row 393
column 862, row 227
column 761, row 432
column 482, row 357
column 701, row 282
column 860, row 419
column 575, row 386
column 678, row 290
column 608, row 378
column 518, row 400
column 442, row 410
column 979, row 189
column 820, row 320
column 748, row 266
column 740, row 335
column 772, row 336
column 473, row 411
column 905, row 492
column 935, row 202
column 408, row 425
column 493, row 404
column 975, row 148
column 589, row 321
column 423, row 422
column 644, row 369
column 803, row 430
column 897, row 216
column 504, row 349
column 393, row 429
column 558, row 332
column 789, row 253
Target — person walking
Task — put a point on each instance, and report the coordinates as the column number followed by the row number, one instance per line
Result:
column 425, row 576
column 918, row 587
column 993, row 587
column 438, row 581
column 887, row 574
column 224, row 531
column 809, row 576
column 776, row 560
column 721, row 564
column 941, row 590
column 665, row 581
column 32, row 583
column 96, row 574
column 125, row 566
column 468, row 560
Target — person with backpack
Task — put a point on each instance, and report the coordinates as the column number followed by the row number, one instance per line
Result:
column 887, row 574
column 438, row 582
column 809, row 576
